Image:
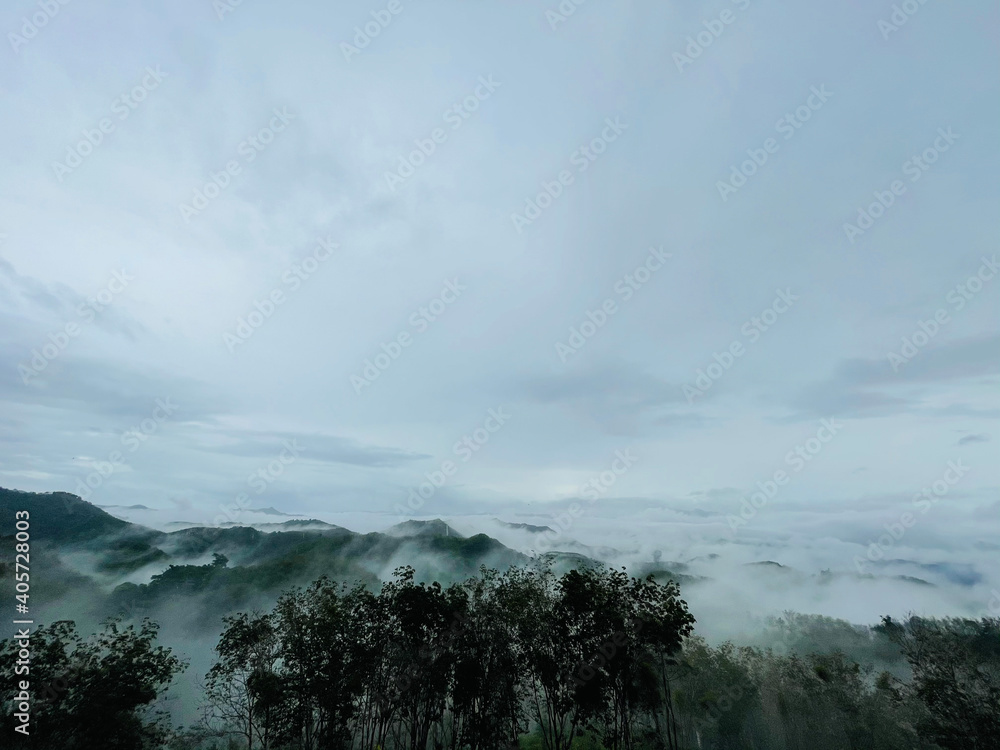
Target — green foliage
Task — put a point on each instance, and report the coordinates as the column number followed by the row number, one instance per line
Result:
column 90, row 693
column 956, row 676
column 59, row 516
column 475, row 665
column 587, row 659
column 591, row 660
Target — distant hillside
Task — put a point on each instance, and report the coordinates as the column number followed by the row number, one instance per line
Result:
column 228, row 567
column 305, row 524
column 434, row 527
column 57, row 516
column 269, row 511
column 524, row 527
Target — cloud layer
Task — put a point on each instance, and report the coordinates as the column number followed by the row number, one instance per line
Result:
column 174, row 178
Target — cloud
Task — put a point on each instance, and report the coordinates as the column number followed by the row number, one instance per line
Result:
column 315, row 447
column 656, row 185
column 977, row 438
column 618, row 398
column 94, row 390
column 60, row 303
column 868, row 388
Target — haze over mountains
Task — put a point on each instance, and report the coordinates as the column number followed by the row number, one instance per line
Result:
column 707, row 292
column 92, row 562
column 150, row 374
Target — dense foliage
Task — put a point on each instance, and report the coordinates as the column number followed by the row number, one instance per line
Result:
column 474, row 665
column 526, row 659
column 98, row 692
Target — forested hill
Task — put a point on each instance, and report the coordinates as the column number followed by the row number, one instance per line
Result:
column 57, row 516
column 125, row 566
column 313, row 636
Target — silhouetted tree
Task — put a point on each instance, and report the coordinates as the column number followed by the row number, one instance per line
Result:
column 956, row 675
column 243, row 690
column 92, row 693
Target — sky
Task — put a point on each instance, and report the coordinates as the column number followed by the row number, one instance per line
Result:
column 294, row 255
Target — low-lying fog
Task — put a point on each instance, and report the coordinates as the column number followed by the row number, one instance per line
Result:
column 843, row 564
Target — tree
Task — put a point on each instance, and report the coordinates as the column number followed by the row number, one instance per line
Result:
column 97, row 692
column 550, row 653
column 316, row 659
column 956, row 675
column 488, row 694
column 423, row 620
column 242, row 689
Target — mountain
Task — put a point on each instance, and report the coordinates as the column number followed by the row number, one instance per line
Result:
column 524, row 527
column 411, row 528
column 301, row 524
column 91, row 565
column 269, row 511
column 58, row 516
column 200, row 573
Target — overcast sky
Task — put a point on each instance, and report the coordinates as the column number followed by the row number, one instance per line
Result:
column 322, row 207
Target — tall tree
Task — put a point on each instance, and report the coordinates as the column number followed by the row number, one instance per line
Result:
column 243, row 691
column 488, row 694
column 423, row 620
column 956, row 675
